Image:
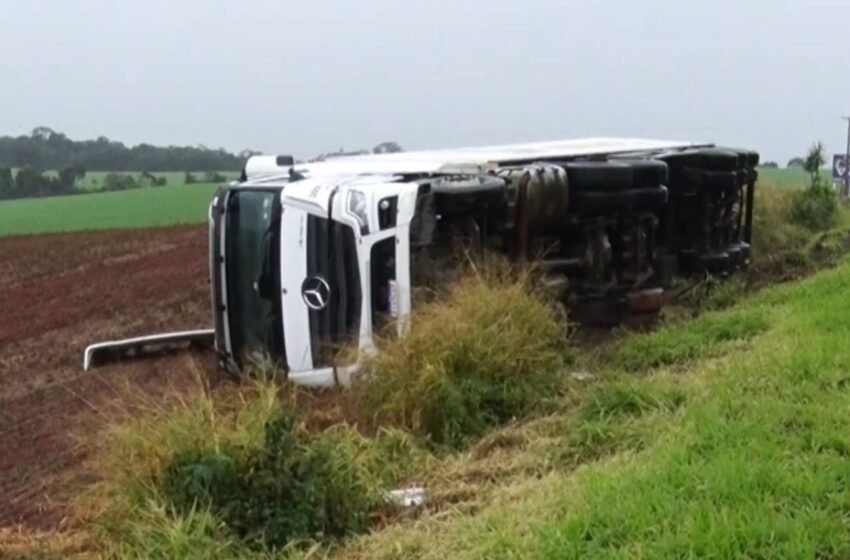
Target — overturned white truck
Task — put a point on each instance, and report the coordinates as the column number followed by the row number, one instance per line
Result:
column 307, row 257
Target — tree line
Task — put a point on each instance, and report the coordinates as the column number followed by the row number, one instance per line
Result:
column 45, row 148
column 31, row 183
column 48, row 163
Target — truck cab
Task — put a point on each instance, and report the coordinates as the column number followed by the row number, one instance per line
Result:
column 304, row 270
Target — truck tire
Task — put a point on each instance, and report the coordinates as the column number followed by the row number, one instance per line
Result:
column 710, row 159
column 721, row 180
column 678, row 160
column 719, row 160
column 599, row 176
column 633, row 200
column 647, row 173
column 685, row 180
column 690, row 179
column 746, row 158
column 753, row 158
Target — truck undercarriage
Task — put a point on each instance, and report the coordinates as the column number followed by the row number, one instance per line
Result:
column 614, row 233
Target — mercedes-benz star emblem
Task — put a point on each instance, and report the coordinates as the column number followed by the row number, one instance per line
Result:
column 316, row 292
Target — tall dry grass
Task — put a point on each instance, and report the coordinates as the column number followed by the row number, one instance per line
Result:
column 486, row 351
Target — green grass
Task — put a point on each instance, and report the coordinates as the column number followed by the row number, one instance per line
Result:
column 144, row 207
column 741, row 451
column 705, row 336
column 235, row 475
column 487, row 351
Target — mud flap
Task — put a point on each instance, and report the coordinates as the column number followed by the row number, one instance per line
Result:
column 102, row 352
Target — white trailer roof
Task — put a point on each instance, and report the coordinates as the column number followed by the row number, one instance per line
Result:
column 469, row 159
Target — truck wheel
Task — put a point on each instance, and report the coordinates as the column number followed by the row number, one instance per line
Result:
column 678, row 160
column 634, row 200
column 712, row 159
column 690, row 179
column 752, row 158
column 719, row 160
column 721, row 180
column 746, row 158
column 647, row 173
column 599, row 176
column 685, row 180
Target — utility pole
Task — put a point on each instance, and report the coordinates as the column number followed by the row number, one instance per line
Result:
column 847, row 161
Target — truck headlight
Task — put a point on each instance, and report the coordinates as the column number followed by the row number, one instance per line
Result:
column 356, row 206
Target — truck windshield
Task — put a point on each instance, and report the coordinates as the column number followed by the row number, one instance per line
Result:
column 252, row 263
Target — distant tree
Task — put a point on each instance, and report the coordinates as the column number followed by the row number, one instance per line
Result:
column 7, row 183
column 796, row 162
column 153, row 180
column 387, row 148
column 815, row 159
column 119, row 182
column 190, row 179
column 30, row 182
column 770, row 165
column 213, row 177
column 44, row 132
column 69, row 176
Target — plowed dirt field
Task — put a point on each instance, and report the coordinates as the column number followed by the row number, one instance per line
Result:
column 59, row 293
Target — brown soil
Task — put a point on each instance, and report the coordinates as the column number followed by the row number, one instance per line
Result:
column 59, row 293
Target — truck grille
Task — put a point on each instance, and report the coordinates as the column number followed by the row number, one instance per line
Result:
column 332, row 255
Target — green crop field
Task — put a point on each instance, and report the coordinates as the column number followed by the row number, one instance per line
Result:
column 143, row 207
column 788, row 177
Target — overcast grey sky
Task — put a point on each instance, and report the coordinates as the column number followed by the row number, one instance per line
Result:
column 316, row 75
